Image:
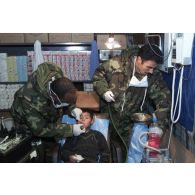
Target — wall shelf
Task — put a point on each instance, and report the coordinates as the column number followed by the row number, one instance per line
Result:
column 22, row 48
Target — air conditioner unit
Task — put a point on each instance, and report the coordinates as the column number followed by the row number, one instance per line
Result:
column 177, row 50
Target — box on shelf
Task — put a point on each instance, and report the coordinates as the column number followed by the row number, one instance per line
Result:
column 101, row 40
column 11, row 38
column 32, row 37
column 60, row 37
column 82, row 37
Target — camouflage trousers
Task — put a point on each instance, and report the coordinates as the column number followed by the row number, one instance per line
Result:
column 123, row 127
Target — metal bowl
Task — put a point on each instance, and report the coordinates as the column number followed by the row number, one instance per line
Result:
column 141, row 117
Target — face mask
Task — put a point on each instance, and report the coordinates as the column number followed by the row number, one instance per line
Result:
column 134, row 82
column 64, row 104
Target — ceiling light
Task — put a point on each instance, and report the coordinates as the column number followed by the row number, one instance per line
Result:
column 111, row 43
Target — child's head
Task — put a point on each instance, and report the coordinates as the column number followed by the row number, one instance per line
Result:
column 86, row 118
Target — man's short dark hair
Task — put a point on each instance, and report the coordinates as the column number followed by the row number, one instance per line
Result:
column 151, row 52
column 65, row 89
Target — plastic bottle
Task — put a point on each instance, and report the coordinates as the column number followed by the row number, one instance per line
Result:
column 154, row 136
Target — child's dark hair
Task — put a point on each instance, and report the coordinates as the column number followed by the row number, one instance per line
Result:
column 151, row 52
column 91, row 112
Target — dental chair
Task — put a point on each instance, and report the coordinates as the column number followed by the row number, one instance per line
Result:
column 101, row 124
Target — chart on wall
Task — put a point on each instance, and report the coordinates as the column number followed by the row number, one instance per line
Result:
column 74, row 64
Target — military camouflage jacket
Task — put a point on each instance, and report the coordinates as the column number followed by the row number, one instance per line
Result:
column 33, row 109
column 115, row 75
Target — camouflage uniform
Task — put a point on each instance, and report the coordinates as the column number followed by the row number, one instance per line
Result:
column 32, row 108
column 115, row 75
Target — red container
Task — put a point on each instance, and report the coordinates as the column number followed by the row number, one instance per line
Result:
column 154, row 138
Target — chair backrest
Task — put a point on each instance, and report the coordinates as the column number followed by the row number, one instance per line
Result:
column 101, row 124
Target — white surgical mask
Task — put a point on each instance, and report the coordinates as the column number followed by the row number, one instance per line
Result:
column 134, row 82
column 64, row 104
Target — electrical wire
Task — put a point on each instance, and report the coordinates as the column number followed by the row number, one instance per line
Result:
column 170, row 135
column 173, row 109
column 165, row 58
column 179, row 96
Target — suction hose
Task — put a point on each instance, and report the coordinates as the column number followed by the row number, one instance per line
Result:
column 146, row 145
column 112, row 121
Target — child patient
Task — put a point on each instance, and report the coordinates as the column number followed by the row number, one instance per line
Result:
column 90, row 146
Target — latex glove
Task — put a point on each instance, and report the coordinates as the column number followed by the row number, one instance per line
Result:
column 78, row 129
column 75, row 158
column 78, row 157
column 76, row 113
column 109, row 96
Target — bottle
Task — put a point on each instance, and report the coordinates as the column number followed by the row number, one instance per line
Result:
column 154, row 136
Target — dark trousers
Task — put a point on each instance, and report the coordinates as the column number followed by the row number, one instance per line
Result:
column 47, row 151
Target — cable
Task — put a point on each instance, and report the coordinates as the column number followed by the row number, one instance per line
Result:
column 170, row 135
column 179, row 96
column 165, row 58
column 146, row 145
